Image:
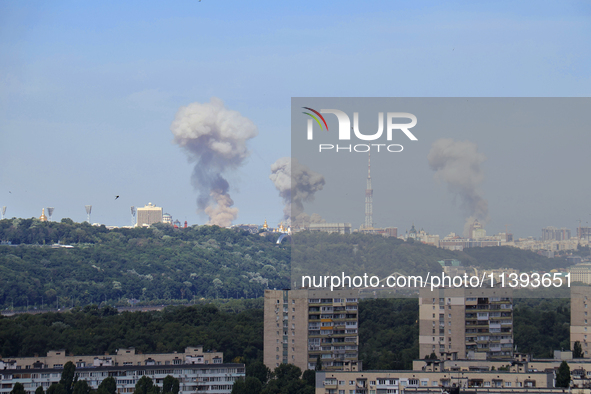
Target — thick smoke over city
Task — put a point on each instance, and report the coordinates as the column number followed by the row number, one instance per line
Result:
column 296, row 184
column 457, row 163
column 214, row 137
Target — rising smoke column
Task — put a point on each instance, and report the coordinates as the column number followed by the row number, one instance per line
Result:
column 457, row 163
column 296, row 183
column 214, row 137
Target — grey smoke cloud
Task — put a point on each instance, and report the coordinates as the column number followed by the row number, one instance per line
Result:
column 457, row 163
column 213, row 137
column 296, row 184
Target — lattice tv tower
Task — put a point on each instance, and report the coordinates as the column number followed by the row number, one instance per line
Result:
column 3, row 211
column 369, row 197
column 132, row 216
column 50, row 212
column 88, row 210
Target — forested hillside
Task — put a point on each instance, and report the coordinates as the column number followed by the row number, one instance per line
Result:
column 165, row 265
column 158, row 263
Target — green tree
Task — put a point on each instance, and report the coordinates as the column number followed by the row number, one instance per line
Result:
column 286, row 380
column 577, row 350
column 108, row 386
column 69, row 377
column 81, row 387
column 318, row 364
column 170, row 385
column 259, row 370
column 18, row 389
column 250, row 385
column 309, row 377
column 146, row 386
column 56, row 388
column 563, row 375
column 39, row 390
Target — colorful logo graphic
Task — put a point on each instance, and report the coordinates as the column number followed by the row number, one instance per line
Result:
column 315, row 118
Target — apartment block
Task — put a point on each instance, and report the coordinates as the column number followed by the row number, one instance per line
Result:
column 459, row 323
column 123, row 357
column 196, row 370
column 302, row 326
column 398, row 382
column 580, row 329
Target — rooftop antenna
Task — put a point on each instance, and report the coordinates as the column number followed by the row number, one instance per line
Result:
column 132, row 216
column 3, row 211
column 88, row 210
column 50, row 212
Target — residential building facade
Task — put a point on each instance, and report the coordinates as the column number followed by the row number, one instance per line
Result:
column 302, row 326
column 197, row 371
column 466, row 323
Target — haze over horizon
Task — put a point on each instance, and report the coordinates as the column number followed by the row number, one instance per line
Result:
column 88, row 93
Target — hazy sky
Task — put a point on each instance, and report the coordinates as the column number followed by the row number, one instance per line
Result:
column 88, row 91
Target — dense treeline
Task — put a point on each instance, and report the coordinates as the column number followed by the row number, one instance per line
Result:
column 541, row 326
column 388, row 330
column 93, row 330
column 388, row 333
column 146, row 264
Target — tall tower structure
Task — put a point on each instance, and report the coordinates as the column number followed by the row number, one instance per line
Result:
column 132, row 216
column 3, row 211
column 50, row 212
column 88, row 211
column 369, row 197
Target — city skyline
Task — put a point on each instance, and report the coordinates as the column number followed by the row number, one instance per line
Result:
column 89, row 92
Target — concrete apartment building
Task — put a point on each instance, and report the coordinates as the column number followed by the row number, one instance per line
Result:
column 302, row 325
column 398, row 382
column 196, row 370
column 124, row 357
column 460, row 323
column 149, row 215
column 580, row 316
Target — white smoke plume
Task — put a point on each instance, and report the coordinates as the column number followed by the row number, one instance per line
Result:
column 296, row 184
column 213, row 137
column 457, row 163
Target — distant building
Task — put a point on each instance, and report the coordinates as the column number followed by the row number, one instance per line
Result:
column 43, row 218
column 149, row 215
column 251, row 228
column 584, row 233
column 580, row 273
column 341, row 228
column 476, row 230
column 167, row 218
column 555, row 234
